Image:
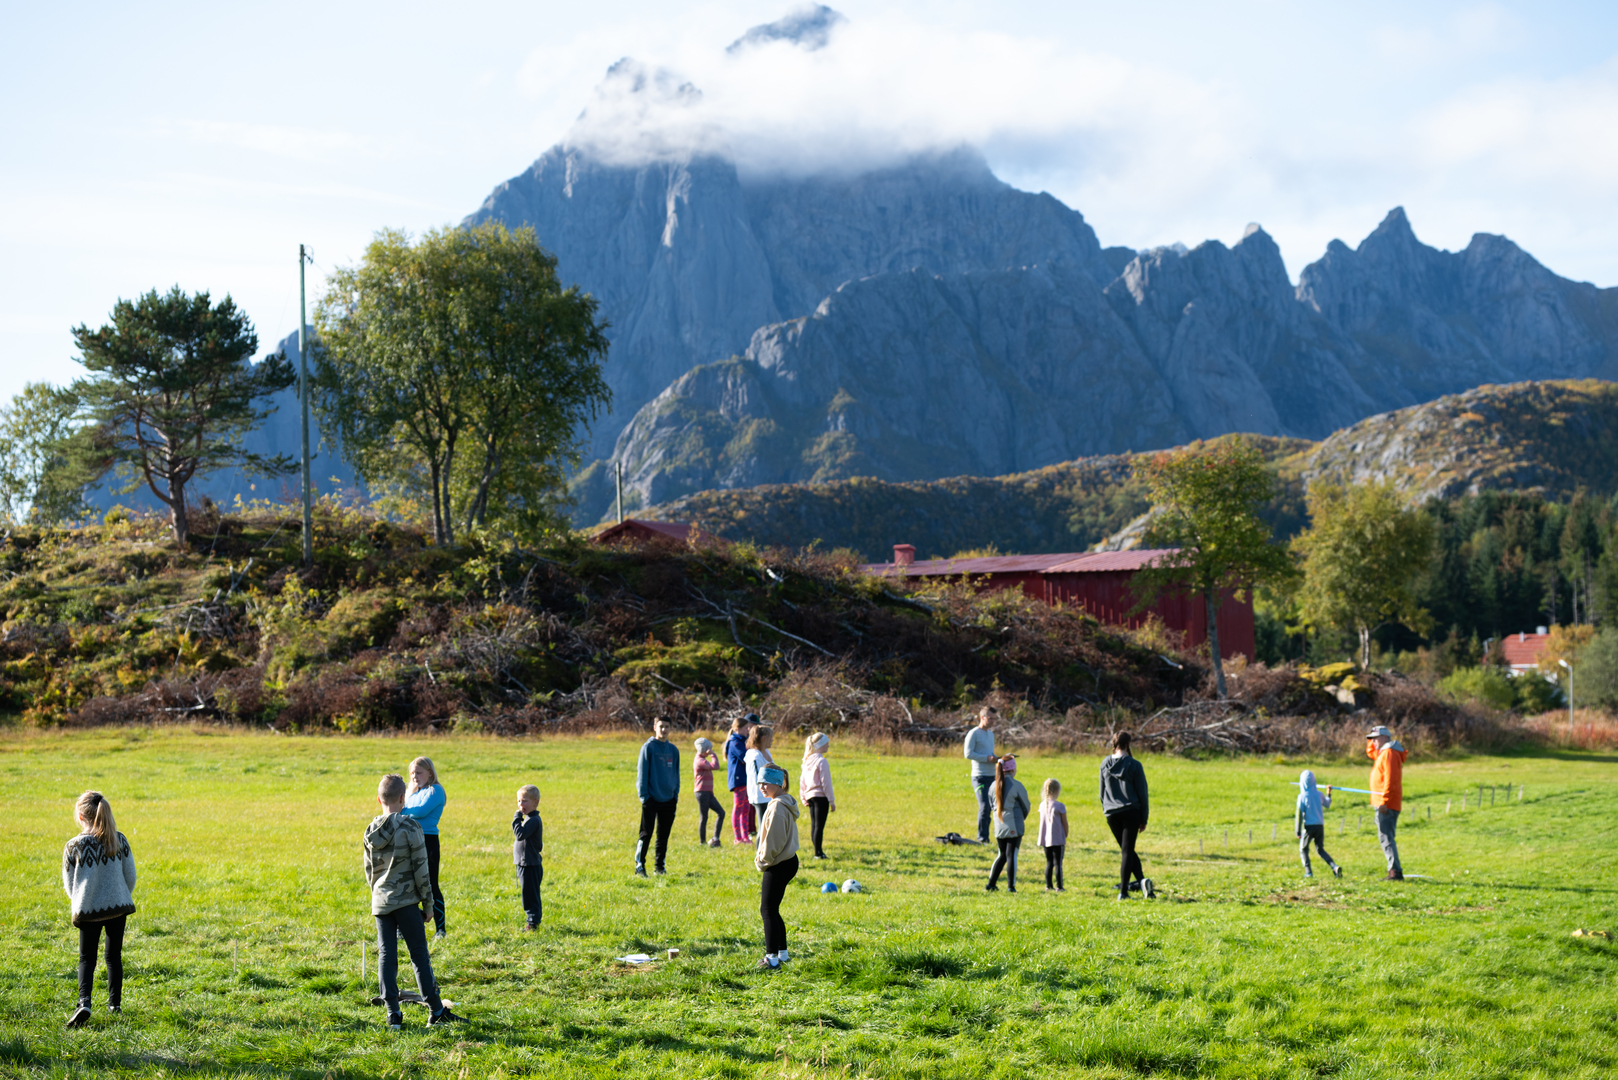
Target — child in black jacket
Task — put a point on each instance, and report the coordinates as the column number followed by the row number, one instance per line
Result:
column 529, row 840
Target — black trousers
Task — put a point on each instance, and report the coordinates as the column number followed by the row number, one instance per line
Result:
column 819, row 807
column 1006, row 860
column 432, row 872
column 772, row 889
column 89, row 945
column 529, row 879
column 660, row 814
column 705, row 803
column 1125, row 826
column 1053, row 863
column 406, row 923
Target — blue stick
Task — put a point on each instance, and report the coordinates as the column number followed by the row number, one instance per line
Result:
column 1335, row 787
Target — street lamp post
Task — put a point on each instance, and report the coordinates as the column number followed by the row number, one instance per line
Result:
column 1569, row 667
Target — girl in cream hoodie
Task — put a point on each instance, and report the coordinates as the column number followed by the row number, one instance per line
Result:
column 777, row 860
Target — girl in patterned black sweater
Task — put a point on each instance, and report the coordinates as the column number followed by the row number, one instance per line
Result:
column 98, row 873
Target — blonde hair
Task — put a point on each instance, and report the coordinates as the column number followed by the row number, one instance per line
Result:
column 391, row 789
column 529, row 789
column 760, row 737
column 815, row 743
column 427, row 761
column 95, row 812
column 1051, row 789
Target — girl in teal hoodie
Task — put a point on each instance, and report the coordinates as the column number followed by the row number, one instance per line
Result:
column 1309, row 822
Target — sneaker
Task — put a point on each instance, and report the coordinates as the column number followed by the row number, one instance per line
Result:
column 1308, row 873
column 1336, row 871
column 439, row 935
column 444, row 1016
column 660, row 872
column 1395, row 875
column 395, row 1022
column 80, row 1017
column 1148, row 888
column 115, row 1009
column 1049, row 889
column 820, row 855
column 767, row 964
column 640, row 871
column 1011, row 888
column 783, row 956
column 991, row 887
column 1123, row 894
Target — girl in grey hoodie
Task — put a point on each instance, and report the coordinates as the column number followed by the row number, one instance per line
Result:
column 1011, row 808
column 1124, row 801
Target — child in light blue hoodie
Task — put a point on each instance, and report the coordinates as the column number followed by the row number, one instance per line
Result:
column 1309, row 822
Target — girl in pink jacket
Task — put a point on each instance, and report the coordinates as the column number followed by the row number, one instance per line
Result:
column 814, row 787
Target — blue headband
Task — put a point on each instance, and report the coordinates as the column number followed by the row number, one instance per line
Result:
column 774, row 774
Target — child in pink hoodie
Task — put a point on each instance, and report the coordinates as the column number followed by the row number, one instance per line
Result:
column 702, row 767
column 814, row 787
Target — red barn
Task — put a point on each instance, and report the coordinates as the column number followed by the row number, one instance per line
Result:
column 633, row 530
column 1097, row 581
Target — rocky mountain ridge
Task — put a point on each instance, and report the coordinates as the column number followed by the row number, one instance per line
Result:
column 1554, row 437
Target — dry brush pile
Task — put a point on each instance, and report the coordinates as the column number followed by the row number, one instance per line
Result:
column 111, row 625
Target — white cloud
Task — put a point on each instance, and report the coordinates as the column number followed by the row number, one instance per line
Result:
column 275, row 140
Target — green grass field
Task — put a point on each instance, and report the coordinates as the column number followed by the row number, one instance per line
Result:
column 244, row 958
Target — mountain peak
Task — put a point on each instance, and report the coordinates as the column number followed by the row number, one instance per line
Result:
column 1395, row 226
column 808, row 27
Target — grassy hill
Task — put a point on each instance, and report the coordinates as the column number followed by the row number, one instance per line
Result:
column 1547, row 437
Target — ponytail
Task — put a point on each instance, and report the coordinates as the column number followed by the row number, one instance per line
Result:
column 96, row 812
column 1000, row 788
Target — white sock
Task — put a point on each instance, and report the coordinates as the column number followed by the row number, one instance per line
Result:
column 782, row 955
column 772, row 956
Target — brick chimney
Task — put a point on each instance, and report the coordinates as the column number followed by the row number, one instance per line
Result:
column 904, row 554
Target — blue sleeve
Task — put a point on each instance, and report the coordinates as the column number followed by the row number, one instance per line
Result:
column 640, row 772
column 429, row 809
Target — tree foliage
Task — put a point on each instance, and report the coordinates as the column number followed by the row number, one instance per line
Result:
column 36, row 482
column 1207, row 500
column 1363, row 557
column 460, row 365
column 171, row 391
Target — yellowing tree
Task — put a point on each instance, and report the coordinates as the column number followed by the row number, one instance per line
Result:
column 1206, row 501
column 1362, row 556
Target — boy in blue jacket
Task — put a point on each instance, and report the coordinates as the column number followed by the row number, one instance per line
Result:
column 657, row 782
column 1309, row 822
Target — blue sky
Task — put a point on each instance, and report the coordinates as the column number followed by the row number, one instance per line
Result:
column 199, row 144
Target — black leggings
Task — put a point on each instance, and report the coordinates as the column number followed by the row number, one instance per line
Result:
column 819, row 807
column 772, row 889
column 89, row 943
column 1053, row 862
column 705, row 803
column 1007, row 861
column 1125, row 826
column 432, row 872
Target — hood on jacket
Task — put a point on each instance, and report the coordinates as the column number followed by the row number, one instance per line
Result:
column 1116, row 764
column 380, row 833
column 789, row 803
column 1306, row 780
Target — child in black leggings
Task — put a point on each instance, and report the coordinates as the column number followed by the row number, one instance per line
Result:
column 1010, row 811
column 98, row 873
column 1124, row 801
column 1052, row 832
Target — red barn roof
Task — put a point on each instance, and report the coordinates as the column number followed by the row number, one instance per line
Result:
column 631, row 529
column 1085, row 562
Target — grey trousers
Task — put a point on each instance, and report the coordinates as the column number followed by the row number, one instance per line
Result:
column 1316, row 833
column 984, row 787
column 1387, row 825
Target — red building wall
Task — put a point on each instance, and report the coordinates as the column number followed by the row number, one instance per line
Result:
column 1106, row 595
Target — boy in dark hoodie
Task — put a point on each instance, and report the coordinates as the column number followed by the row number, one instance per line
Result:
column 1124, row 801
column 396, row 871
column 527, row 846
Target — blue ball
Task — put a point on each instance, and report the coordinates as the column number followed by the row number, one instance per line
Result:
column 830, row 886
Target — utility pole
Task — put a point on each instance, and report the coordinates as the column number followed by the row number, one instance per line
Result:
column 303, row 404
column 618, row 474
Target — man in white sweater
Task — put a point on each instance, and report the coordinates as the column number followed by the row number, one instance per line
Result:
column 979, row 751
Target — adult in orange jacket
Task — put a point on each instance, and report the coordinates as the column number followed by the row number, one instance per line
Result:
column 1387, row 792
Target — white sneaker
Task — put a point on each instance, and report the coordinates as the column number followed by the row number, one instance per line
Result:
column 782, row 956
column 1148, row 888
